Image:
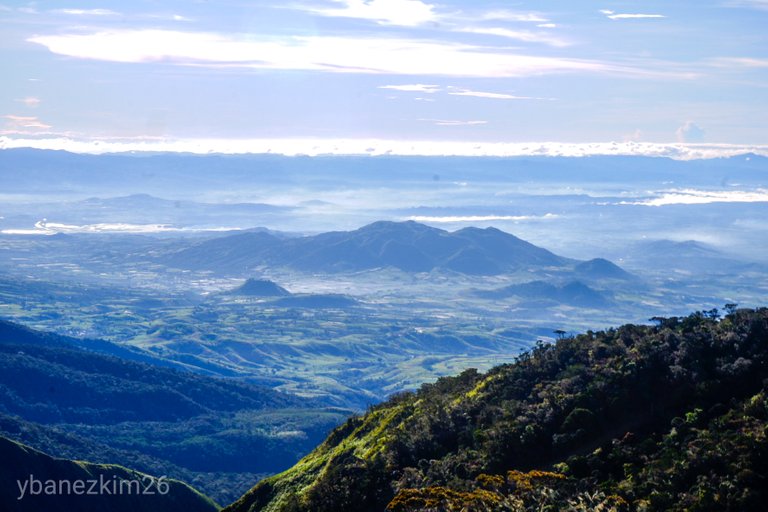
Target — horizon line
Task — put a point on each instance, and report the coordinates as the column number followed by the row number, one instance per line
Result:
column 315, row 147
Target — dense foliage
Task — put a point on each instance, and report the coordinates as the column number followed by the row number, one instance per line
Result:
column 218, row 434
column 665, row 417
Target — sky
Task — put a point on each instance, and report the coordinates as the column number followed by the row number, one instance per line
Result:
column 446, row 73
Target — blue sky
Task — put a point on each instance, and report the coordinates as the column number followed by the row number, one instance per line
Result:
column 401, row 70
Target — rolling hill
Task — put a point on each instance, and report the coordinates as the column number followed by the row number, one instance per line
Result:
column 215, row 432
column 574, row 293
column 669, row 417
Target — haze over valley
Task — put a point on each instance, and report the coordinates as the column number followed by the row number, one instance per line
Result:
column 392, row 270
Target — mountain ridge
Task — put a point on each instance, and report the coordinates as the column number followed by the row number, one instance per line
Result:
column 657, row 418
column 408, row 246
column 216, row 432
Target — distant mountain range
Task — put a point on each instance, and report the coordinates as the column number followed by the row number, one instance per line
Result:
column 407, row 246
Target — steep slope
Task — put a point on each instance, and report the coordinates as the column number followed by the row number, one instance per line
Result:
column 31, row 481
column 669, row 417
column 408, row 246
column 80, row 404
column 58, row 381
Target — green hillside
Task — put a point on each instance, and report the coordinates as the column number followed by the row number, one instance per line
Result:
column 217, row 434
column 665, row 417
column 31, row 481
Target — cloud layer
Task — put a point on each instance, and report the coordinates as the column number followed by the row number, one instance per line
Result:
column 374, row 147
column 374, row 55
column 691, row 196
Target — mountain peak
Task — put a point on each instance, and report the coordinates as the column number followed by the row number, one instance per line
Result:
column 260, row 288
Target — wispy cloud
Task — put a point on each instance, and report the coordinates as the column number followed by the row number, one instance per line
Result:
column 87, row 12
column 693, row 196
column 624, row 16
column 456, row 91
column 168, row 17
column 406, row 13
column 454, row 122
column 525, row 36
column 330, row 54
column 513, row 16
column 44, row 227
column 430, row 89
column 761, row 5
column 743, row 62
column 14, row 122
column 30, row 101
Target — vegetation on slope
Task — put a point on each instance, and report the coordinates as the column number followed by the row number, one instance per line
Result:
column 31, row 481
column 218, row 434
column 665, row 417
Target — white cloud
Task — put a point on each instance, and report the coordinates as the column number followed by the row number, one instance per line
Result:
column 454, row 122
column 744, row 62
column 313, row 146
column 44, row 227
column 690, row 132
column 88, row 12
column 30, row 101
column 513, row 16
column 168, row 17
column 456, row 91
column 692, row 196
column 525, row 36
column 619, row 16
column 320, row 53
column 406, row 13
column 15, row 122
column 430, row 89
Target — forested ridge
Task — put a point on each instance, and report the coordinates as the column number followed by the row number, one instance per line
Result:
column 670, row 416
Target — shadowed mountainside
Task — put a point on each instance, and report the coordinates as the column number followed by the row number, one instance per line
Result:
column 260, row 288
column 52, row 484
column 216, row 433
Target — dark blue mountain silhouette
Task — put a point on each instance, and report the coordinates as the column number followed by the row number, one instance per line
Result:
column 408, row 246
